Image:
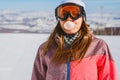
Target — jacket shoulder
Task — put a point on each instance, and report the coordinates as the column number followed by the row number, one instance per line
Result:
column 98, row 46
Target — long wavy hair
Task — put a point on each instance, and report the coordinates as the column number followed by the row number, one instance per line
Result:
column 76, row 50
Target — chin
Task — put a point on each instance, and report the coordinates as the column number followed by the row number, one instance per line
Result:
column 70, row 32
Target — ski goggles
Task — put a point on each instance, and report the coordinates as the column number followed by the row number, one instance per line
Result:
column 71, row 10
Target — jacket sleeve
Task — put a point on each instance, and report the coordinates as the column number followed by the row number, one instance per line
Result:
column 39, row 68
column 106, row 66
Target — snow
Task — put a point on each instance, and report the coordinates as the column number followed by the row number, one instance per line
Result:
column 45, row 20
column 13, row 26
column 18, row 51
column 31, row 21
column 17, row 55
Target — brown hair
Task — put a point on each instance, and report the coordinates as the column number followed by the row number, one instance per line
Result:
column 77, row 49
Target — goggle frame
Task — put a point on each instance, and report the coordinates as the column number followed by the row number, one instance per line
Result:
column 69, row 15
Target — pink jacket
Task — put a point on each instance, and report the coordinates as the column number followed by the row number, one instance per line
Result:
column 97, row 65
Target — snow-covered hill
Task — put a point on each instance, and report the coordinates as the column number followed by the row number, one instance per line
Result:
column 30, row 21
column 36, row 22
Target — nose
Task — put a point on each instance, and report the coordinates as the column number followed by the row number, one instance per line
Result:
column 69, row 19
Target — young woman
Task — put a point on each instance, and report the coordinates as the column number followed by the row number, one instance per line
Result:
column 72, row 52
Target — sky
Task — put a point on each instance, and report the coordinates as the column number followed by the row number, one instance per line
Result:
column 91, row 5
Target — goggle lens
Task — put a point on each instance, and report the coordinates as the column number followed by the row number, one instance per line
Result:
column 69, row 10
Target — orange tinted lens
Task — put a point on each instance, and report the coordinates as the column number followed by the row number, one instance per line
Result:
column 73, row 10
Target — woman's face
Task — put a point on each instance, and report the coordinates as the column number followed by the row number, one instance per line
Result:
column 76, row 28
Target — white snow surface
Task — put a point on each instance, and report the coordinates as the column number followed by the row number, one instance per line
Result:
column 18, row 51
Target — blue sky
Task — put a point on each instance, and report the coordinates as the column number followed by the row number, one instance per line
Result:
column 27, row 4
column 91, row 5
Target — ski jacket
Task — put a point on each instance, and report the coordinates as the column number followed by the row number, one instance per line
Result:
column 97, row 64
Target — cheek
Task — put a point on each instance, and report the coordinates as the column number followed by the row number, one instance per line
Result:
column 79, row 22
